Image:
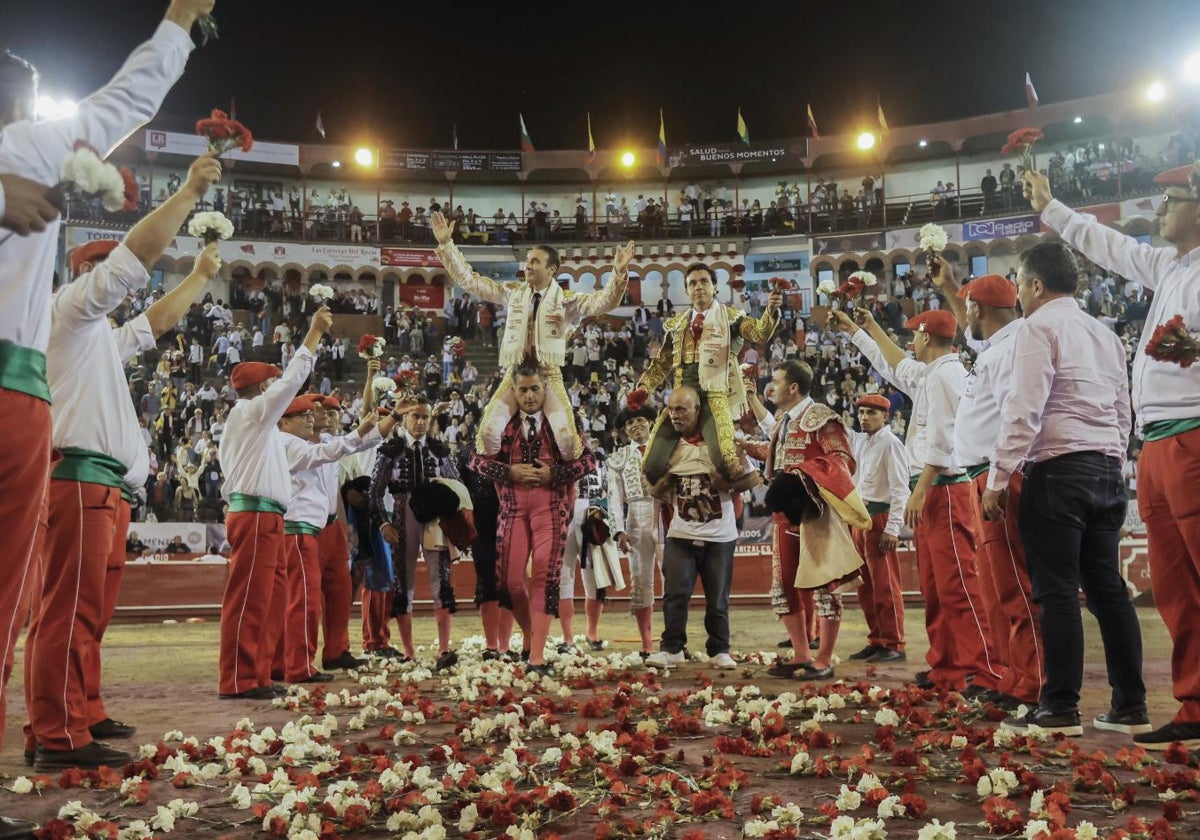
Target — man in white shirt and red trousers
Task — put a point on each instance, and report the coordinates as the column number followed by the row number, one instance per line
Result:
column 258, row 488
column 35, row 151
column 104, row 464
column 297, row 602
column 941, row 507
column 1166, row 403
column 985, row 309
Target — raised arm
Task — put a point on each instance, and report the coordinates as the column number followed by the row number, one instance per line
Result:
column 167, row 311
column 459, row 269
column 151, row 236
column 271, row 404
column 759, row 330
column 942, row 275
column 609, row 297
column 92, row 295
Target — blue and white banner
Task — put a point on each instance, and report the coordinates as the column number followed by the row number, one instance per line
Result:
column 1006, row 228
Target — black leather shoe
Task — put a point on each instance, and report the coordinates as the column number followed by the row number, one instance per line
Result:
column 259, row 692
column 567, row 648
column 786, row 643
column 787, row 670
column 867, row 652
column 277, row 689
column 814, row 673
column 1056, row 723
column 109, row 728
column 1187, row 734
column 814, row 644
column 976, row 692
column 29, row 754
column 888, row 655
column 14, row 829
column 543, row 670
column 1130, row 721
column 510, row 656
column 91, row 756
column 447, row 659
column 347, row 660
column 318, row 677
column 921, row 680
column 596, row 644
column 491, row 655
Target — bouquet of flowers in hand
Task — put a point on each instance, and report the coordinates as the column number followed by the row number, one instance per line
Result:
column 781, row 285
column 320, row 293
column 370, row 347
column 208, row 28
column 224, row 134
column 210, row 226
column 1172, row 342
column 85, row 175
column 384, row 387
column 408, row 380
column 1021, row 142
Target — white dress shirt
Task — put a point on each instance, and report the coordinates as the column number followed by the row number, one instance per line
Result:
column 882, row 473
column 1069, row 393
column 36, row 151
column 1161, row 390
column 977, row 425
column 309, row 502
column 85, row 365
column 252, row 450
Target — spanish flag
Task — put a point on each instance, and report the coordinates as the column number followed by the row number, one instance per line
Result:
column 662, row 139
column 883, row 126
column 591, row 158
column 743, row 132
column 812, row 124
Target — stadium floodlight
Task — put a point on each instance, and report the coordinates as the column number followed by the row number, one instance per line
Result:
column 866, row 140
column 1156, row 92
column 50, row 108
column 337, row 164
column 628, row 159
column 364, row 157
column 922, row 143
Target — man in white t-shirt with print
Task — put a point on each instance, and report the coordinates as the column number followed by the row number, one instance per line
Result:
column 700, row 540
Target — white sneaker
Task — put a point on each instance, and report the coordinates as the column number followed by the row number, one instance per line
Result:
column 723, row 662
column 664, row 659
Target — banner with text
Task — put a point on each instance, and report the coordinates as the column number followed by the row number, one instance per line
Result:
column 1009, row 227
column 415, row 291
column 193, row 145
column 410, row 258
column 842, row 243
column 328, row 254
column 792, row 151
column 452, row 161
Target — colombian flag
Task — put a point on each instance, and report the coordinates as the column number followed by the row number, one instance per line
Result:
column 743, row 132
column 812, row 124
column 591, row 158
column 662, row 139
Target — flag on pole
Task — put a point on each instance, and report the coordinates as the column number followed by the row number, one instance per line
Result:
column 1030, row 92
column 812, row 124
column 320, row 126
column 883, row 126
column 454, row 136
column 526, row 142
column 743, row 132
column 662, row 139
column 233, row 108
column 591, row 158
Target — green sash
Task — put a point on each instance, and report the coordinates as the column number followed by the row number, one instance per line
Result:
column 23, row 369
column 293, row 528
column 245, row 503
column 978, row 470
column 943, row 480
column 1163, row 429
column 876, row 508
column 91, row 467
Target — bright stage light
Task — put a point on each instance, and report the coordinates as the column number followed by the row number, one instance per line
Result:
column 1078, row 120
column 363, row 157
column 628, row 159
column 49, row 108
column 337, row 164
column 922, row 143
column 1191, row 67
column 1157, row 92
column 866, row 140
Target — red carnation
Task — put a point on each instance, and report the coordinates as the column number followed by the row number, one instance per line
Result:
column 780, row 285
column 1172, row 342
column 224, row 134
column 737, row 284
column 1021, row 142
column 366, row 344
column 636, row 399
column 131, row 189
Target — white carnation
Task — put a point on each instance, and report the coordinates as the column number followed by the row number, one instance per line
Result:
column 1035, row 827
column 891, row 807
column 202, row 223
column 21, row 785
column 865, row 277
column 887, row 717
column 827, row 287
column 937, row 831
column 848, row 800
column 934, row 238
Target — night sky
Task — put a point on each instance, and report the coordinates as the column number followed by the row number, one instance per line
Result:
column 402, row 74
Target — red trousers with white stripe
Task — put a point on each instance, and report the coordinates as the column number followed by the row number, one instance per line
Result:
column 24, row 491
column 955, row 619
column 248, row 638
column 62, row 658
column 377, row 616
column 881, row 595
column 1006, row 592
column 303, row 606
column 1169, row 502
column 336, row 596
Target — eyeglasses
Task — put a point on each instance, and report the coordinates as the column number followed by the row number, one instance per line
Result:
column 1168, row 200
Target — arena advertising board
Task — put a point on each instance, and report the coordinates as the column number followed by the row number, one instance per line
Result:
column 449, row 161
column 193, row 145
column 794, row 150
column 1009, row 227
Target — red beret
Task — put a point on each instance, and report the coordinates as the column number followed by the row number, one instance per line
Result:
column 330, row 402
column 248, row 374
column 90, row 252
column 939, row 322
column 1178, row 177
column 300, row 404
column 875, row 401
column 991, row 290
